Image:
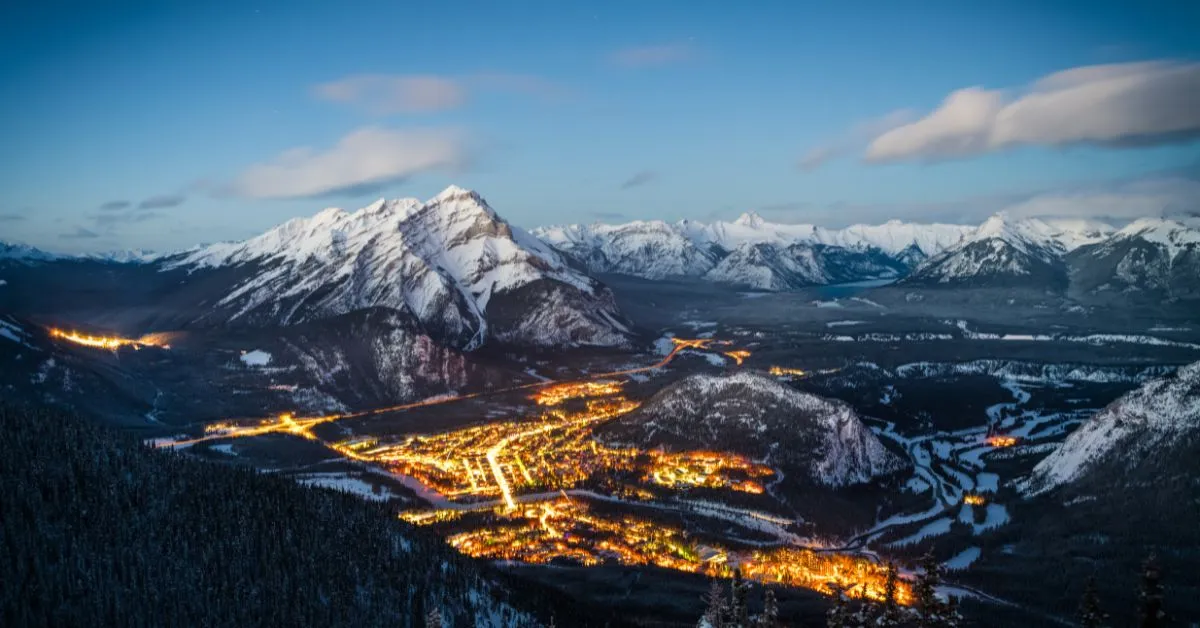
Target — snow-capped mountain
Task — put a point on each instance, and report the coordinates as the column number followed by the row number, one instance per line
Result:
column 1147, row 426
column 10, row 252
column 1007, row 252
column 767, row 266
column 1153, row 255
column 651, row 249
column 751, row 251
column 126, row 256
column 823, row 439
column 451, row 262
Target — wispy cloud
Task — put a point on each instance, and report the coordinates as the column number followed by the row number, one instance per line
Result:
column 390, row 94
column 109, row 220
column 79, row 233
column 365, row 159
column 604, row 215
column 1168, row 194
column 112, row 206
column 162, row 201
column 1116, row 105
column 854, row 140
column 383, row 94
column 652, row 55
column 12, row 217
column 639, row 179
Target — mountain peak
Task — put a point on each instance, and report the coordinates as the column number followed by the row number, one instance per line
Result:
column 750, row 219
column 453, row 192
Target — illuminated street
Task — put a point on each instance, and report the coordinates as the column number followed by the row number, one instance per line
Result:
column 521, row 470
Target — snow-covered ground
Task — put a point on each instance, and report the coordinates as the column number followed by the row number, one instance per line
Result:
column 256, row 358
column 346, row 484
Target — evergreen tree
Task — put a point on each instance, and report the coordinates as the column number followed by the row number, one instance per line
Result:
column 716, row 608
column 889, row 612
column 433, row 619
column 925, row 600
column 1090, row 613
column 1150, row 597
column 840, row 616
column 738, row 610
column 931, row 611
column 770, row 615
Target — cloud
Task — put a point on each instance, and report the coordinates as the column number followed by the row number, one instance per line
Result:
column 382, row 94
column 112, row 206
column 1170, row 193
column 603, row 215
column 854, row 140
column 108, row 221
column 1117, row 105
column 79, row 233
column 652, row 56
column 1117, row 201
column 162, row 201
column 12, row 217
column 370, row 156
column 639, row 179
column 390, row 94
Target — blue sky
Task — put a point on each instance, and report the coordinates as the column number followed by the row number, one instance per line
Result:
column 161, row 125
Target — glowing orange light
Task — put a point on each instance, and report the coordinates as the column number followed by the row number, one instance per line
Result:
column 974, row 500
column 1002, row 441
column 739, row 355
column 779, row 371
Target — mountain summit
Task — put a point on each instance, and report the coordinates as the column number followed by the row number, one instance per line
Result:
column 452, row 262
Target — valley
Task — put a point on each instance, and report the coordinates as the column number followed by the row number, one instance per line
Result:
column 618, row 436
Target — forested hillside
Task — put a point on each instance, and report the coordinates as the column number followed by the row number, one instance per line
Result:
column 101, row 530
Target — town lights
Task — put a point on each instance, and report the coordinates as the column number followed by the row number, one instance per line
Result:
column 1002, row 441
column 111, row 343
column 974, row 500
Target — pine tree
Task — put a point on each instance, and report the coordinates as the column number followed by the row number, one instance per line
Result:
column 840, row 616
column 770, row 615
column 1090, row 613
column 1150, row 597
column 890, row 613
column 931, row 611
column 716, row 607
column 739, row 611
column 433, row 619
column 926, row 601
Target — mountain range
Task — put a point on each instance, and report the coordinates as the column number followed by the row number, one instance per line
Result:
column 1089, row 258
column 467, row 277
column 451, row 264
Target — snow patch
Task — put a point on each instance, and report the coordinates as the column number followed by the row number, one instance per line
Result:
column 256, row 358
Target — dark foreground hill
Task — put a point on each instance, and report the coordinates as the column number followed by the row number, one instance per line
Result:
column 98, row 529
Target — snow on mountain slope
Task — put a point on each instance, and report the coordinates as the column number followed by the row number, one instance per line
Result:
column 128, row 256
column 1152, row 255
column 823, row 439
column 752, row 251
column 749, row 228
column 755, row 252
column 895, row 237
column 1002, row 252
column 24, row 254
column 452, row 262
column 1142, row 425
column 766, row 266
column 651, row 249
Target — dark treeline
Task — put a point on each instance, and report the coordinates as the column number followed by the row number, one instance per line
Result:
column 98, row 529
